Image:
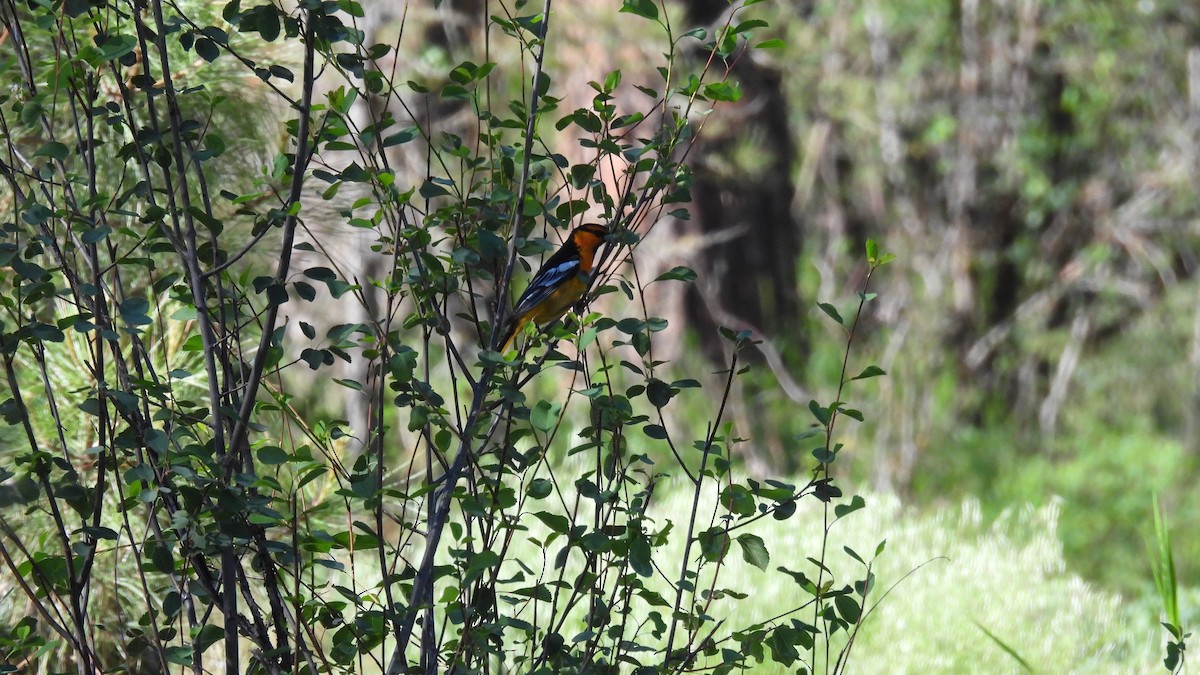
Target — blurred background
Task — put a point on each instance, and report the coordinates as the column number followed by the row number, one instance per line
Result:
column 1032, row 164
column 1034, row 167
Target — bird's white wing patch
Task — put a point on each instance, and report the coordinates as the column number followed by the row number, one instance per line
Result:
column 547, row 279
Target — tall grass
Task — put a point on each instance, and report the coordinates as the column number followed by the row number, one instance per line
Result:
column 956, row 579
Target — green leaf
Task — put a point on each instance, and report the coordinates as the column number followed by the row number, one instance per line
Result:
column 480, row 562
column 1162, row 568
column 544, row 415
column 639, row 557
column 723, row 91
column 135, row 311
column 320, row 274
column 96, row 235
column 820, row 412
column 843, row 510
column 754, row 551
column 643, row 8
column 773, row 43
column 555, row 522
column 874, row 259
column 161, row 558
column 46, row 333
column 464, row 72
column 655, row 431
column 54, row 150
column 782, row 644
column 848, row 607
column 714, row 543
column 539, row 592
column 826, row 491
column 832, row 312
column 852, row 413
column 801, row 580
column 75, row 8
column 659, row 393
column 1172, row 659
column 315, row 358
column 737, row 499
column 612, row 81
column 101, row 533
column 441, row 439
column 429, row 190
column 418, row 417
column 207, row 636
column 750, row 25
column 869, row 371
column 784, row 511
column 276, row 295
column 272, row 455
column 267, row 22
column 865, row 586
column 539, row 488
column 853, row 554
column 338, row 288
column 281, row 72
column 305, row 290
column 207, row 49
column 678, row 274
column 401, row 137
column 180, row 656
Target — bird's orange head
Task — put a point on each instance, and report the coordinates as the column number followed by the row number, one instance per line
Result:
column 586, row 239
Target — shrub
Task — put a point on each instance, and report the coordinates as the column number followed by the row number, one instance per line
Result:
column 186, row 471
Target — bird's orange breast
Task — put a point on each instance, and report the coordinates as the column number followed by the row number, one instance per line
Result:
column 558, row 302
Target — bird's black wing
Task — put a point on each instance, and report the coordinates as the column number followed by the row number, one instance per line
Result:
column 550, row 277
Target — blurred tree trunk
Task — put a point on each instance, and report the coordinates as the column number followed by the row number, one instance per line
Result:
column 741, row 213
column 1002, row 252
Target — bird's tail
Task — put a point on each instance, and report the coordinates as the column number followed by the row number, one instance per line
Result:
column 510, row 334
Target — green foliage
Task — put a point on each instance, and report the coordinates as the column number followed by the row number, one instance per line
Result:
column 155, row 309
column 1118, row 444
column 173, row 304
column 1162, row 565
column 1007, row 576
column 945, row 578
column 1037, row 159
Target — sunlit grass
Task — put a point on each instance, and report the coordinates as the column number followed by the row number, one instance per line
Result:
column 1008, row 578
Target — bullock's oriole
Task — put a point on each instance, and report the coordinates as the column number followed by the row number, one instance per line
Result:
column 560, row 283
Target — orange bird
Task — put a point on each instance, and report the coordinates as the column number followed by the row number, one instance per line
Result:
column 560, row 283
